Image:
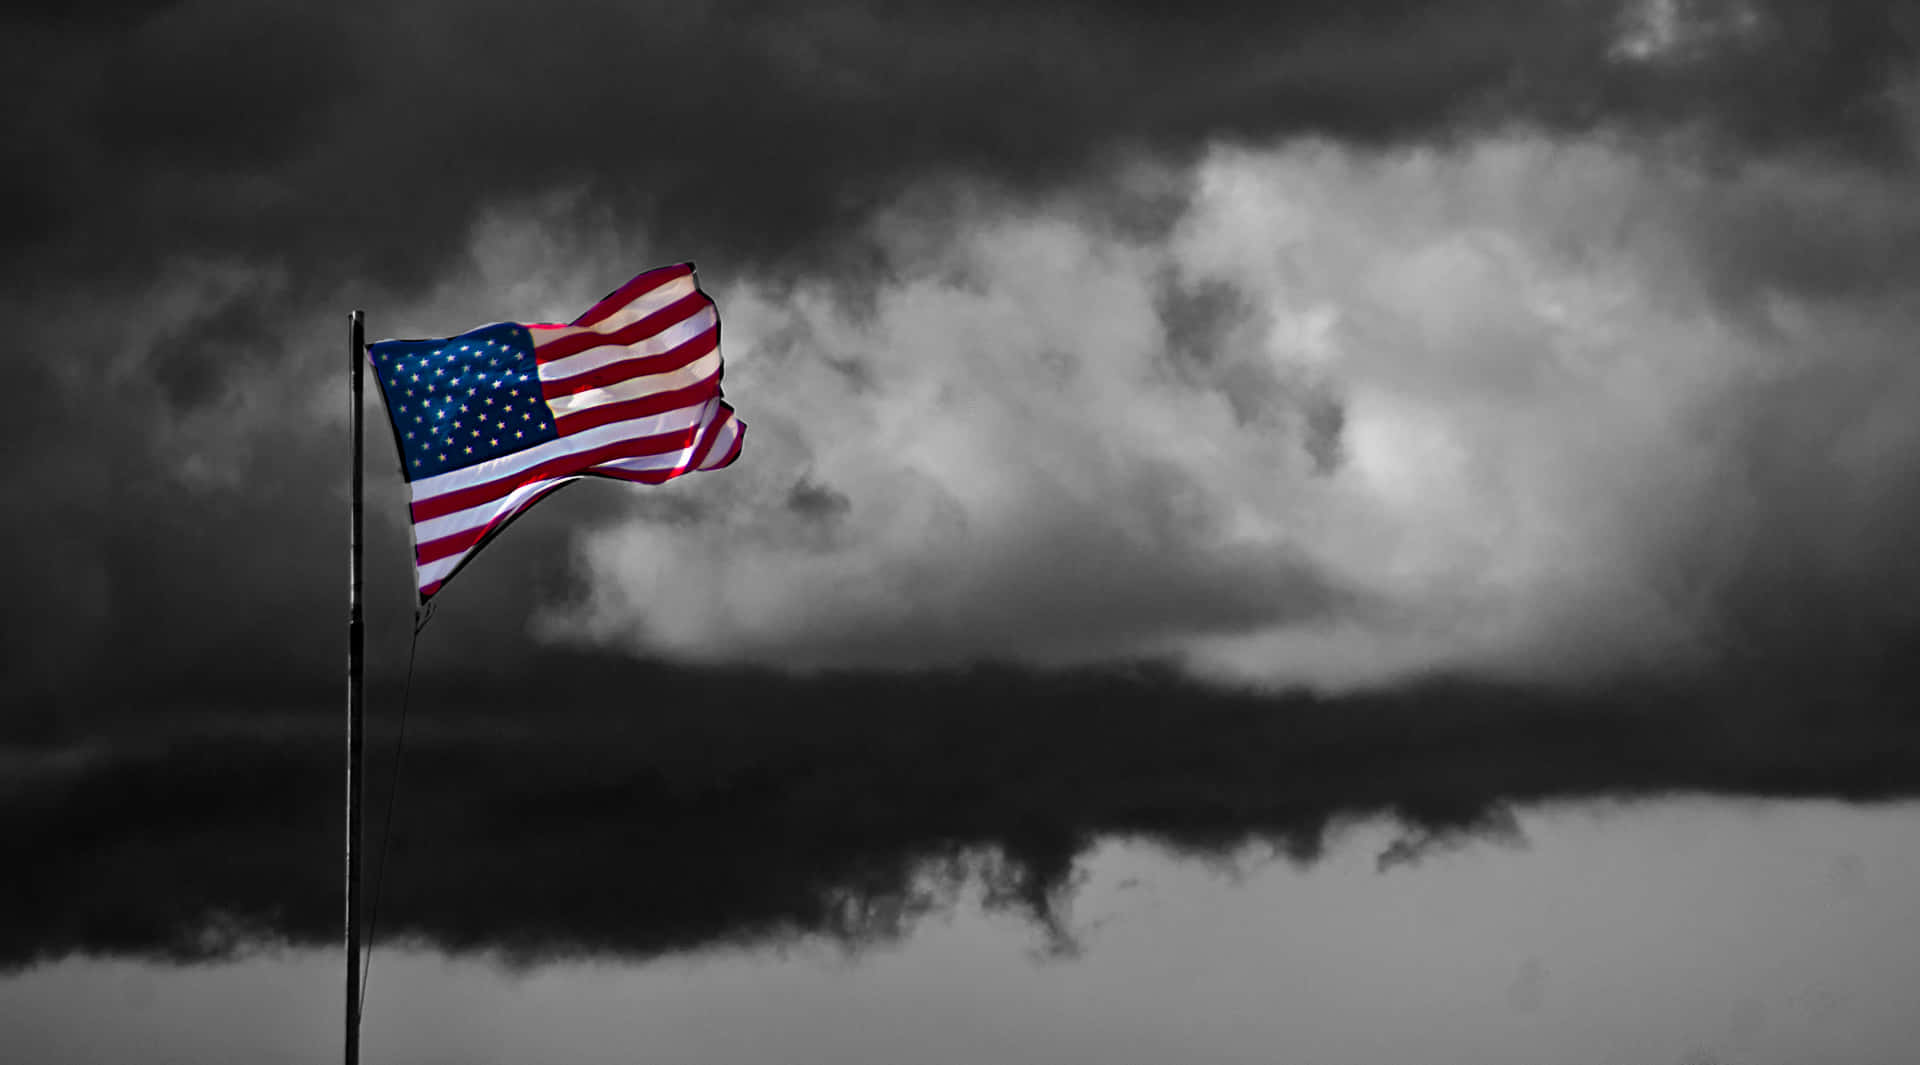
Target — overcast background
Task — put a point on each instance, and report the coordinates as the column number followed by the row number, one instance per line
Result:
column 1206, row 425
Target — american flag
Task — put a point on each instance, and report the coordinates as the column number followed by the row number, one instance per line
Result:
column 491, row 421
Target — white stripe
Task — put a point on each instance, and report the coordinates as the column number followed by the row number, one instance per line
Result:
column 647, row 464
column 472, row 517
column 439, row 568
column 434, row 571
column 481, row 516
column 649, row 302
column 668, row 460
column 640, row 387
column 547, row 450
column 722, row 443
column 681, row 332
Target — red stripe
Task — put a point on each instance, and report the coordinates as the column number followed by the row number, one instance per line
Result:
column 639, row 366
column 692, row 464
column 639, row 477
column 631, row 291
column 449, row 546
column 665, row 318
column 739, row 437
column 461, row 499
column 658, row 403
column 642, row 407
column 458, row 543
column 706, row 440
column 423, row 556
column 435, row 550
column 694, row 460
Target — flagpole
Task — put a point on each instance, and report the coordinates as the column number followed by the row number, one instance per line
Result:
column 356, row 645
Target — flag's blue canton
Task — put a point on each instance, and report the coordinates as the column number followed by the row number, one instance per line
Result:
column 462, row 400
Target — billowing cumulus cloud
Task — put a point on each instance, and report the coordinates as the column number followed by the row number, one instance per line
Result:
column 1322, row 342
column 1520, row 405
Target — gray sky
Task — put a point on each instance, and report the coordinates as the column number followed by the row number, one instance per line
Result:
column 1457, row 404
column 1602, row 936
column 1330, row 346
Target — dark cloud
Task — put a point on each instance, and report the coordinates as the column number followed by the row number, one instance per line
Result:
column 192, row 193
column 816, row 501
column 363, row 139
column 1834, row 68
column 703, row 808
column 182, row 91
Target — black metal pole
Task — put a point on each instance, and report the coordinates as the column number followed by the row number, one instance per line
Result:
column 356, row 645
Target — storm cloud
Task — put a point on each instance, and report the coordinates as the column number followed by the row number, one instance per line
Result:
column 1528, row 407
column 992, row 232
column 744, row 808
column 1210, row 428
column 1339, row 345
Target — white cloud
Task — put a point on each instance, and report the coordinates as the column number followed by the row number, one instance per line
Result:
column 1357, row 415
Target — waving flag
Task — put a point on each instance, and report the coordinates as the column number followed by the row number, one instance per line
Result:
column 491, row 421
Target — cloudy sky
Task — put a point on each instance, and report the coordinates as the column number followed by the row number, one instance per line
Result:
column 1512, row 374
